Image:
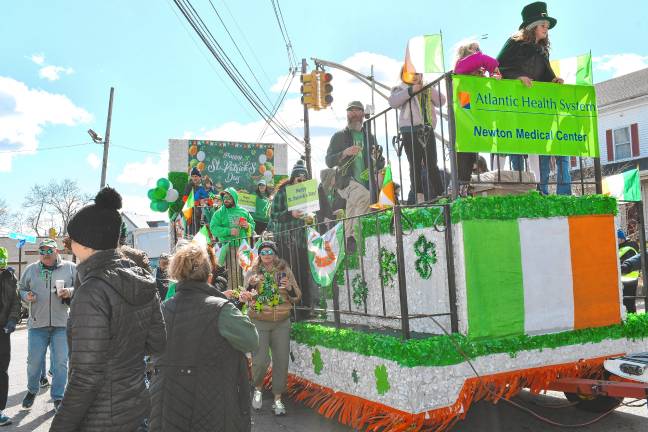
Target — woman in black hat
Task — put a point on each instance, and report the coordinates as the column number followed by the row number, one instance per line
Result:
column 525, row 56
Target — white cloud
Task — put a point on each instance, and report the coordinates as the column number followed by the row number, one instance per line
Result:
column 139, row 205
column 93, row 161
column 53, row 73
column 39, row 59
column 24, row 112
column 147, row 172
column 620, row 64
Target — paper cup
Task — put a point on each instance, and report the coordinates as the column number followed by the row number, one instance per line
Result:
column 60, row 285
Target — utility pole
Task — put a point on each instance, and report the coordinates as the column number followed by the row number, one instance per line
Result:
column 106, row 142
column 307, row 146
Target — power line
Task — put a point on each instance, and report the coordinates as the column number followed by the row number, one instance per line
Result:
column 36, row 150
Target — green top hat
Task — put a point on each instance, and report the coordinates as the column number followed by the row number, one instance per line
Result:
column 536, row 11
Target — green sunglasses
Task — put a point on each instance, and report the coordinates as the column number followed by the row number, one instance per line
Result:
column 46, row 251
column 266, row 252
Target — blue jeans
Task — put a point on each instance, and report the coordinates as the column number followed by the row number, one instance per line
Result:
column 38, row 341
column 517, row 162
column 563, row 177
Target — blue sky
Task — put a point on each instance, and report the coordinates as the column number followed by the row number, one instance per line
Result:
column 60, row 58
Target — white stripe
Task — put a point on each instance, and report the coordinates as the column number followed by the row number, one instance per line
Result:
column 547, row 275
column 568, row 69
column 614, row 185
column 416, row 50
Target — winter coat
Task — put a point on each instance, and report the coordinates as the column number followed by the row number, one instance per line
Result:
column 225, row 219
column 48, row 310
column 340, row 141
column 399, row 98
column 475, row 63
column 9, row 301
column 519, row 58
column 289, row 295
column 201, row 381
column 115, row 320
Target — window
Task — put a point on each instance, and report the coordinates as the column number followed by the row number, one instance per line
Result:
column 622, row 144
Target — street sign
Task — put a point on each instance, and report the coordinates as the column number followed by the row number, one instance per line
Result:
column 18, row 236
column 20, row 243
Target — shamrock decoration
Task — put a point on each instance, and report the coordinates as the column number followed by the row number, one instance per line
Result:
column 268, row 294
column 426, row 253
column 355, row 376
column 360, row 291
column 318, row 364
column 388, row 266
column 382, row 379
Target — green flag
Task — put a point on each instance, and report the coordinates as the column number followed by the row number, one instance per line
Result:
column 325, row 253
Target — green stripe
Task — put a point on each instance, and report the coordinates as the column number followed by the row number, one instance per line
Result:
column 493, row 278
column 584, row 70
column 433, row 53
column 631, row 187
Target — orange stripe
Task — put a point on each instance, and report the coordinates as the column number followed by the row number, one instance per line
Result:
column 594, row 271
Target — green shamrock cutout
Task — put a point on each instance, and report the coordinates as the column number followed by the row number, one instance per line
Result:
column 360, row 291
column 318, row 364
column 355, row 376
column 426, row 253
column 388, row 266
column 382, row 381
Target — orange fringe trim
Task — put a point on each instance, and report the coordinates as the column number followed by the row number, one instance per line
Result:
column 360, row 413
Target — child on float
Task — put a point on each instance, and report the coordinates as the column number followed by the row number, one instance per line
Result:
column 471, row 61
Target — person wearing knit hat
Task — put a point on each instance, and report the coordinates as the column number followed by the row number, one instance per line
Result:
column 9, row 315
column 299, row 170
column 116, row 301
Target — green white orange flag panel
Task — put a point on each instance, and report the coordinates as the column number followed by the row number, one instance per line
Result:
column 625, row 186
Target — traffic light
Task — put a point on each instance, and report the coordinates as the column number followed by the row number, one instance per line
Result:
column 324, row 89
column 309, row 90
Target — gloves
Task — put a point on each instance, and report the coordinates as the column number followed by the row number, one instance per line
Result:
column 625, row 268
column 10, row 327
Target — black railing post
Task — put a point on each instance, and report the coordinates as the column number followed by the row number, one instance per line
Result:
column 368, row 148
column 402, row 279
column 452, row 148
column 452, row 287
column 598, row 178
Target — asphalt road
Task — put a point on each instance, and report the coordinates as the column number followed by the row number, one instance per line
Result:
column 482, row 416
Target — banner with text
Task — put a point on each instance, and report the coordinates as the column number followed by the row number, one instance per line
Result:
column 504, row 116
column 247, row 201
column 233, row 164
column 303, row 196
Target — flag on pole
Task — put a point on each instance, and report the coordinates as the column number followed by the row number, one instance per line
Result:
column 187, row 209
column 325, row 253
column 424, row 54
column 247, row 254
column 202, row 236
column 387, row 196
column 221, row 253
column 574, row 70
column 624, row 186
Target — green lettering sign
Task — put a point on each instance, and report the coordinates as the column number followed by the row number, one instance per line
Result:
column 303, row 196
column 504, row 116
column 247, row 201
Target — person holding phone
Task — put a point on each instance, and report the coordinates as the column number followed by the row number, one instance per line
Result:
column 271, row 290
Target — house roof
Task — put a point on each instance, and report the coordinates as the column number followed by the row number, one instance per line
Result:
column 623, row 88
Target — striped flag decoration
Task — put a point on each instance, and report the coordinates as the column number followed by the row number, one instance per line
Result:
column 187, row 209
column 535, row 276
column 624, row 186
column 325, row 253
column 424, row 54
column 387, row 197
column 574, row 70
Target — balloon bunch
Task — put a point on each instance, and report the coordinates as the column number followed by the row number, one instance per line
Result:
column 162, row 195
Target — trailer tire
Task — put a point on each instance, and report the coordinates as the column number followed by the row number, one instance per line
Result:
column 595, row 404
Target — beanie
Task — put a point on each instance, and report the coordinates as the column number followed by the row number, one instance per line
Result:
column 299, row 169
column 98, row 225
column 269, row 245
column 621, row 234
column 195, row 171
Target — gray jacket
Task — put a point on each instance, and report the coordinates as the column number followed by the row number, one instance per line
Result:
column 48, row 310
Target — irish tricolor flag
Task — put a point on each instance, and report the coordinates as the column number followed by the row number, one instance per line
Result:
column 574, row 70
column 387, row 197
column 187, row 209
column 624, row 186
column 535, row 276
column 424, row 54
column 325, row 253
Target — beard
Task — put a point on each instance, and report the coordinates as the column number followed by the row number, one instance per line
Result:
column 355, row 125
column 229, row 204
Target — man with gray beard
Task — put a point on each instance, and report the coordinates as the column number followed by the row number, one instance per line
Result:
column 346, row 152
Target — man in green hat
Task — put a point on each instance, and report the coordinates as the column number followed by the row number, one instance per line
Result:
column 9, row 313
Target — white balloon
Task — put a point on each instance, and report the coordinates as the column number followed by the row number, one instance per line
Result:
column 268, row 174
column 172, row 195
column 262, row 159
column 200, row 156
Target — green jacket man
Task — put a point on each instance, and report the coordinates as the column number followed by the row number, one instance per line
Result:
column 231, row 222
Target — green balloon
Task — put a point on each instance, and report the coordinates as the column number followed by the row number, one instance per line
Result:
column 159, row 206
column 193, row 162
column 159, row 194
column 151, row 194
column 163, row 183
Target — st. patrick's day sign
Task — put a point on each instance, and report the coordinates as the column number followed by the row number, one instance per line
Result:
column 303, row 196
column 233, row 164
column 504, row 116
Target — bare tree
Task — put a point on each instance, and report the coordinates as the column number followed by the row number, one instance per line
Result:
column 35, row 205
column 65, row 199
column 4, row 213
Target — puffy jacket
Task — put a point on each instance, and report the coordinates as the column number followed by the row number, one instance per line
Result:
column 9, row 301
column 399, row 98
column 201, row 381
column 48, row 310
column 519, row 58
column 281, row 311
column 225, row 219
column 115, row 320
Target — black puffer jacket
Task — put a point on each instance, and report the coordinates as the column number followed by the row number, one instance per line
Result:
column 519, row 58
column 115, row 320
column 9, row 300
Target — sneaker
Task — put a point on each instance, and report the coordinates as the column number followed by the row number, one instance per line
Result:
column 257, row 400
column 44, row 382
column 57, row 405
column 279, row 408
column 28, row 401
column 4, row 420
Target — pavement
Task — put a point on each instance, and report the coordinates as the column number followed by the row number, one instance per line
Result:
column 483, row 416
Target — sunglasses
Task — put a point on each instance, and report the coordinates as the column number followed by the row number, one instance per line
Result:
column 266, row 252
column 46, row 251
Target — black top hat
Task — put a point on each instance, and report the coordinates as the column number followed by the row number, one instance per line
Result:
column 536, row 11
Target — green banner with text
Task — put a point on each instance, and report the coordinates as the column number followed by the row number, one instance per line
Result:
column 303, row 196
column 504, row 116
